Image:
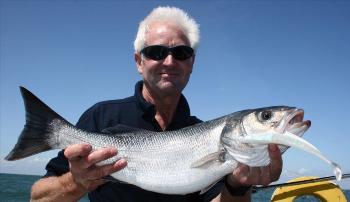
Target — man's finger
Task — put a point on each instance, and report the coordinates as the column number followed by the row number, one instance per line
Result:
column 99, row 155
column 265, row 175
column 240, row 175
column 77, row 151
column 276, row 162
column 101, row 171
column 255, row 175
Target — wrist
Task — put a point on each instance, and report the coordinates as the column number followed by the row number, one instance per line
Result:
column 236, row 190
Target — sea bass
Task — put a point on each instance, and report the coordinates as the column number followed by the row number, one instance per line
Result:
column 173, row 162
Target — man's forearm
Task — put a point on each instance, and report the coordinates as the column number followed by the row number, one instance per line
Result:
column 62, row 188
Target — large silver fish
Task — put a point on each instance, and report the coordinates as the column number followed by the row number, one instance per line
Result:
column 173, row 162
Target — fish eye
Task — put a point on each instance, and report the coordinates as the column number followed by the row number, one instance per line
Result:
column 265, row 115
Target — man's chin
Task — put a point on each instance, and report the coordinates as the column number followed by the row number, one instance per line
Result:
column 170, row 88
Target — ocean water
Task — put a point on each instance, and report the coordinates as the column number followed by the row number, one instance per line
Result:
column 16, row 188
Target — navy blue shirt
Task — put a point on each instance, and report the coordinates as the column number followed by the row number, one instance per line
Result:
column 136, row 112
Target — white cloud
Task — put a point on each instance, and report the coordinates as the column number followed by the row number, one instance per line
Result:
column 303, row 171
column 34, row 165
column 40, row 159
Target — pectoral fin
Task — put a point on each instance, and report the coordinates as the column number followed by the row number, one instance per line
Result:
column 213, row 157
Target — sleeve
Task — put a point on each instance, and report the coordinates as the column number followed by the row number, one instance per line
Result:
column 59, row 165
column 195, row 120
column 213, row 191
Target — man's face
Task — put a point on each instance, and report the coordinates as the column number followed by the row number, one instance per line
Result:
column 168, row 76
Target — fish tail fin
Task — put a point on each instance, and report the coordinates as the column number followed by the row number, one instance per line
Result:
column 37, row 135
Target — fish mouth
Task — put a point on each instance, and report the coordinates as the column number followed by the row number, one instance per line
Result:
column 294, row 123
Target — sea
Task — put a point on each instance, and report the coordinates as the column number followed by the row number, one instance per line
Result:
column 16, row 188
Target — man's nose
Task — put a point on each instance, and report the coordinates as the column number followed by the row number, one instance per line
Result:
column 169, row 60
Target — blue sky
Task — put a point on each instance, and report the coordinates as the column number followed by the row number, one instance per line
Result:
column 72, row 54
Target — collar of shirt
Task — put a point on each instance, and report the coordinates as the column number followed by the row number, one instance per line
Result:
column 181, row 115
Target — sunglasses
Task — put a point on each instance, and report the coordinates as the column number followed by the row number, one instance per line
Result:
column 158, row 52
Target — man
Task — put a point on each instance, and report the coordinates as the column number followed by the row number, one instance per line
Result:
column 164, row 53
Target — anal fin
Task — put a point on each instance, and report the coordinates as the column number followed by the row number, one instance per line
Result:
column 209, row 187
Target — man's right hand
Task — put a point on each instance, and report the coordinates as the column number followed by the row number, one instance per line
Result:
column 84, row 175
column 82, row 164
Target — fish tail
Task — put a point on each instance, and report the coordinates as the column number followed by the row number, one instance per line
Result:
column 38, row 132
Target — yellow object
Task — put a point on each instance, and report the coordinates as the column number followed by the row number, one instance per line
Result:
column 326, row 191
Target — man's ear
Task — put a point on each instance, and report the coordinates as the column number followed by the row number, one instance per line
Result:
column 138, row 60
column 193, row 59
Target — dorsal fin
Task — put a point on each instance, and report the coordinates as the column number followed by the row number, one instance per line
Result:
column 120, row 129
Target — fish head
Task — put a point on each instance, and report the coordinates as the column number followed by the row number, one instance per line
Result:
column 247, row 140
column 275, row 120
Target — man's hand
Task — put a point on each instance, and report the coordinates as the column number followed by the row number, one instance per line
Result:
column 244, row 175
column 82, row 165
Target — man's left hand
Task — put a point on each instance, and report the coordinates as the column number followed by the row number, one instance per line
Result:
column 244, row 175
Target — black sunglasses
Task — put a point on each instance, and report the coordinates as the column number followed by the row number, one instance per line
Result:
column 158, row 52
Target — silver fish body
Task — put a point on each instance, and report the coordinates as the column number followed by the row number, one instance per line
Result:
column 172, row 162
column 158, row 161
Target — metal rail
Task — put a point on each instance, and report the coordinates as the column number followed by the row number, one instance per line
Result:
column 257, row 188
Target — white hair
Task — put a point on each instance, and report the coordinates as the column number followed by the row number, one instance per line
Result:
column 169, row 14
